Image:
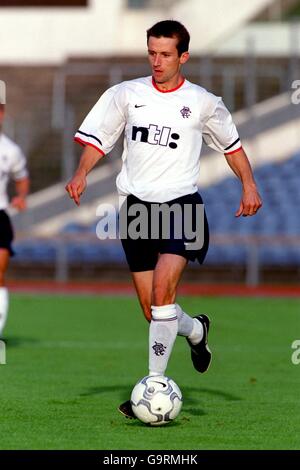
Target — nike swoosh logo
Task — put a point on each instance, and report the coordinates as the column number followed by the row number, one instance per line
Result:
column 161, row 383
column 139, row 105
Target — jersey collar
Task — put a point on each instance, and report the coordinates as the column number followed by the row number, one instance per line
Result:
column 167, row 91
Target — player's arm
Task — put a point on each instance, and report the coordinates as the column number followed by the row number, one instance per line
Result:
column 220, row 133
column 76, row 186
column 251, row 200
column 22, row 190
column 99, row 132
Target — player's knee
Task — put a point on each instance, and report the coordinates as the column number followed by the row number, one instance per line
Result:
column 2, row 275
column 162, row 295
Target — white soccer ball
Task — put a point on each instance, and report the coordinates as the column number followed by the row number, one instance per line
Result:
column 156, row 400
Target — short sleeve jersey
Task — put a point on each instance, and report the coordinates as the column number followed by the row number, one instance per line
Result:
column 12, row 165
column 163, row 134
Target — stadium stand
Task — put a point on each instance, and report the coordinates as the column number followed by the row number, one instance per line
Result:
column 275, row 231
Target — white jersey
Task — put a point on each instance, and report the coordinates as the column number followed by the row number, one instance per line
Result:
column 12, row 165
column 163, row 135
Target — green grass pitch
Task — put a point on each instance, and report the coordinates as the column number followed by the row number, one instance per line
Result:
column 72, row 359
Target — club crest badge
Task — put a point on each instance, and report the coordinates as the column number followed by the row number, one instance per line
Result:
column 159, row 349
column 185, row 112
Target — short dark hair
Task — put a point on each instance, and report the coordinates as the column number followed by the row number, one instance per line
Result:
column 171, row 29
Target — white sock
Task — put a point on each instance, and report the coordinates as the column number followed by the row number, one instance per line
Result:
column 162, row 335
column 3, row 307
column 185, row 322
column 197, row 332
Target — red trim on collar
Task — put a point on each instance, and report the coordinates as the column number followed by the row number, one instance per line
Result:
column 167, row 91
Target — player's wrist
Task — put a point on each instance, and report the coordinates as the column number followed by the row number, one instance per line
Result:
column 82, row 172
column 249, row 186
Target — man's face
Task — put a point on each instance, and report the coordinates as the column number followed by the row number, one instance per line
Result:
column 164, row 59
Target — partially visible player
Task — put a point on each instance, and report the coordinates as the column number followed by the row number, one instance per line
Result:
column 12, row 165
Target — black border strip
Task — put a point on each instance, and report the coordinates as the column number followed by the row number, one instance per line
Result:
column 89, row 135
column 231, row 145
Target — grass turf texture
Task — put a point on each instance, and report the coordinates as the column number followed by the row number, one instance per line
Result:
column 72, row 360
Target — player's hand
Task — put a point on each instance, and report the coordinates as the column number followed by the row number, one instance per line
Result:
column 251, row 202
column 19, row 203
column 76, row 186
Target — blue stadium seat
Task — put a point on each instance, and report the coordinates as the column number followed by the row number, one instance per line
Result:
column 74, row 227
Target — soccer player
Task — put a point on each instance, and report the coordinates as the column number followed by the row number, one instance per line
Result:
column 12, row 164
column 165, row 117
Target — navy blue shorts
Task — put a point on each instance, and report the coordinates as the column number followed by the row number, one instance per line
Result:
column 6, row 232
column 142, row 253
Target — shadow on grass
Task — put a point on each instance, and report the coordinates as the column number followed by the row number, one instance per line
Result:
column 138, row 424
column 19, row 341
column 191, row 395
column 123, row 390
column 193, row 398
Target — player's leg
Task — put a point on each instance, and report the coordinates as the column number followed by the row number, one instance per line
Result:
column 143, row 285
column 164, row 324
column 186, row 325
column 161, row 294
column 196, row 332
column 194, row 329
column 166, row 277
column 143, row 281
column 4, row 259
